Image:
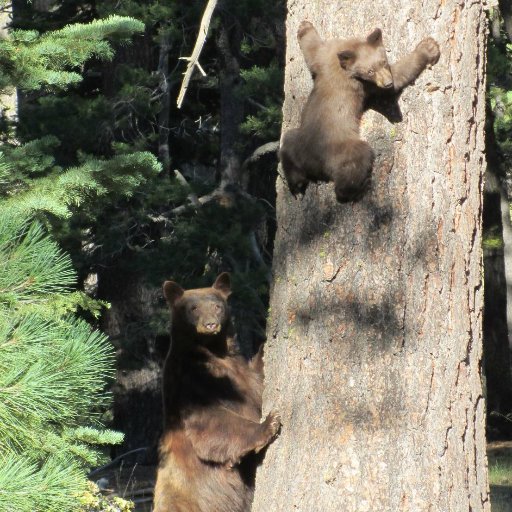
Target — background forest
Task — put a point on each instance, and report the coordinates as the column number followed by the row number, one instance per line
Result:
column 107, row 189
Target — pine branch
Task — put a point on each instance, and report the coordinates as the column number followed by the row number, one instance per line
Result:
column 32, row 61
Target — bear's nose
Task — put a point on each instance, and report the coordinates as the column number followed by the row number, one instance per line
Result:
column 388, row 85
column 211, row 326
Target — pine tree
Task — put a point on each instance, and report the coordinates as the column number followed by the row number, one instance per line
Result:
column 53, row 366
column 52, row 373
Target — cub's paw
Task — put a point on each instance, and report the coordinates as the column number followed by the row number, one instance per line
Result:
column 429, row 49
column 299, row 192
column 304, row 27
column 298, row 187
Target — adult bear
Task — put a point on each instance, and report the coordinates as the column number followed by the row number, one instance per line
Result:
column 212, row 408
column 346, row 73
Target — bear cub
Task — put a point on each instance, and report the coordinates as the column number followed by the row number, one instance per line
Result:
column 212, row 400
column 346, row 74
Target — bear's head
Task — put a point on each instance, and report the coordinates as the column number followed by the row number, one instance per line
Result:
column 366, row 60
column 203, row 310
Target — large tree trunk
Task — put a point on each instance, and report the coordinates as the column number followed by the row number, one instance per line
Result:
column 374, row 344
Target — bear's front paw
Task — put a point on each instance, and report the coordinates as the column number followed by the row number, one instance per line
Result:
column 429, row 49
column 269, row 430
column 273, row 423
column 304, row 27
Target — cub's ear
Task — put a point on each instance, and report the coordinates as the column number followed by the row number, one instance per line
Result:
column 172, row 292
column 346, row 58
column 375, row 38
column 223, row 284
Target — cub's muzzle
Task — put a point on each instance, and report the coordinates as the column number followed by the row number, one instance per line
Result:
column 384, row 79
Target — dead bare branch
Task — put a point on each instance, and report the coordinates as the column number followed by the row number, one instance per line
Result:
column 115, row 461
column 192, row 197
column 200, row 202
column 193, row 60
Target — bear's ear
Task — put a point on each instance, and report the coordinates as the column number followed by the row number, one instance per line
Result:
column 375, row 38
column 172, row 292
column 346, row 58
column 223, row 284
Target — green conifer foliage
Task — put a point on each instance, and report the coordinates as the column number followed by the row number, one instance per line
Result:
column 53, row 366
column 30, row 60
column 52, row 375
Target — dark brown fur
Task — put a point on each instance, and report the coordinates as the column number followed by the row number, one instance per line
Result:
column 212, row 408
column 346, row 73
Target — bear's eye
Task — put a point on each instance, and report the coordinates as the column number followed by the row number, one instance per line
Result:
column 371, row 72
column 193, row 308
column 217, row 307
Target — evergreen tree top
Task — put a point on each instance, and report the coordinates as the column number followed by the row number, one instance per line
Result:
column 30, row 60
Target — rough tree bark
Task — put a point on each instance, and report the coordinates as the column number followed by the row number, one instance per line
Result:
column 373, row 353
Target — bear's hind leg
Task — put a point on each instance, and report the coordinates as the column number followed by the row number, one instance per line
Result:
column 350, row 169
column 295, row 176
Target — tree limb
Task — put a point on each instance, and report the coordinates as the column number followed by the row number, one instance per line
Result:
column 225, row 195
column 192, row 197
column 200, row 202
column 114, row 462
column 193, row 60
column 269, row 147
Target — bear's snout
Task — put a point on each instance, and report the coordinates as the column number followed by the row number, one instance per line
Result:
column 208, row 326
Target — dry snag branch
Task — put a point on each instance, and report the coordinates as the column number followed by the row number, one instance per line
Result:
column 374, row 340
column 193, row 60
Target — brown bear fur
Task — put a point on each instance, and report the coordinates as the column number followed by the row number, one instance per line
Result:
column 346, row 74
column 212, row 408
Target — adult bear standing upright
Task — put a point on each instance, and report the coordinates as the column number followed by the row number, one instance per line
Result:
column 212, row 408
column 346, row 74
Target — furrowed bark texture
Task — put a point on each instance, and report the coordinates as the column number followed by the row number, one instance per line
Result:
column 374, row 348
